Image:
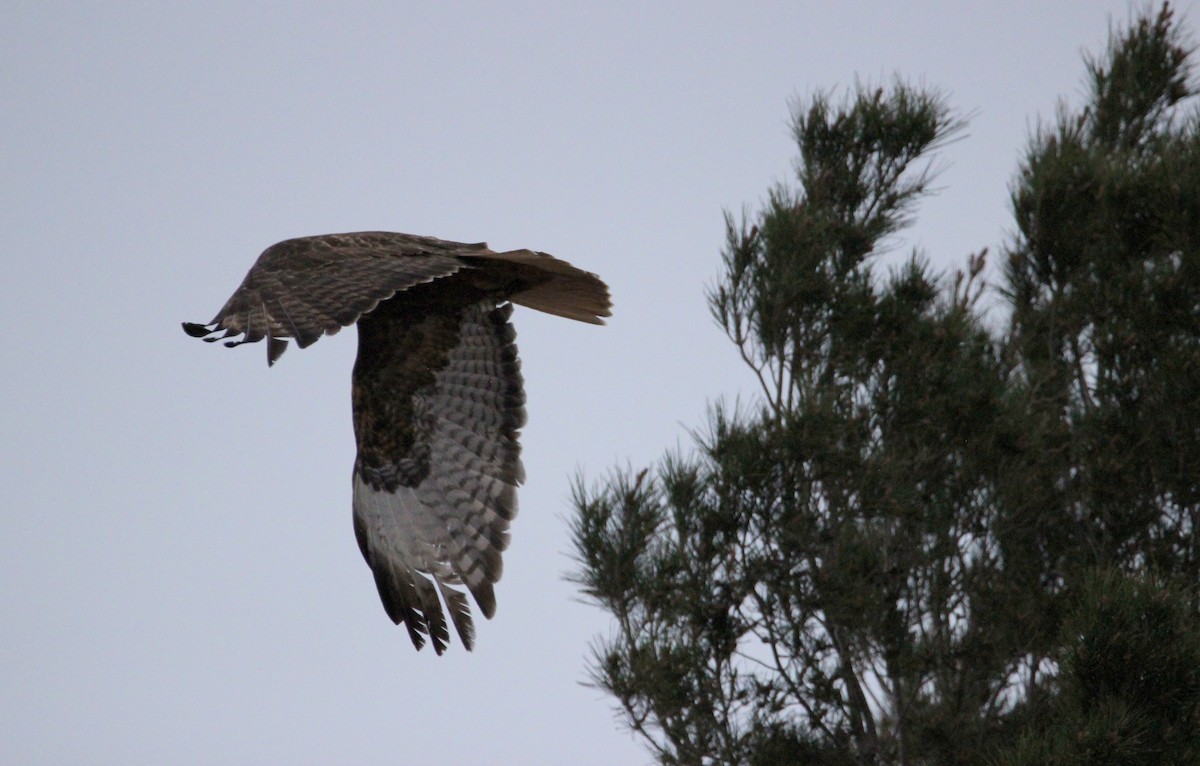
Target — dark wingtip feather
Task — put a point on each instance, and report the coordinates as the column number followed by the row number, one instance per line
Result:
column 485, row 597
column 460, row 614
column 398, row 610
column 275, row 349
column 416, row 636
column 196, row 330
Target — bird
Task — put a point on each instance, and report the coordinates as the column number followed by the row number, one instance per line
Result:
column 437, row 396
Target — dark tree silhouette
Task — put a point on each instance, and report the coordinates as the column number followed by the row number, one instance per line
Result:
column 924, row 539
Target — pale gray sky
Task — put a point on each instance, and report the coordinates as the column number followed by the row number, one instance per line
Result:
column 180, row 581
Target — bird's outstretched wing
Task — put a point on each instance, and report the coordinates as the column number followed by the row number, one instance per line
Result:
column 438, row 404
column 437, row 394
column 303, row 288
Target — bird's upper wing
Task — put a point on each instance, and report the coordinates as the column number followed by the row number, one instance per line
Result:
column 302, row 288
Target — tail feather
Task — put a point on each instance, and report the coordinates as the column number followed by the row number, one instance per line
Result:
column 567, row 292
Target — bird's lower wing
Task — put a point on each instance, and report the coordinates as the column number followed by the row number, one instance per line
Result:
column 435, row 481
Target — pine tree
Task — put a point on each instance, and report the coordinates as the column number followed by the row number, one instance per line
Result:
column 923, row 540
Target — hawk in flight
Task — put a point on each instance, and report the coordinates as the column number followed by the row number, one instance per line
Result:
column 437, row 396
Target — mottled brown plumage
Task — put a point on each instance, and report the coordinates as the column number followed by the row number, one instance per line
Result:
column 437, row 396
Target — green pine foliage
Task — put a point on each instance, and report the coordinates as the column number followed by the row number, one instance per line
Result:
column 927, row 541
column 1128, row 691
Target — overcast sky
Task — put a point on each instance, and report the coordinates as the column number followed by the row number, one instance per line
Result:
column 179, row 581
